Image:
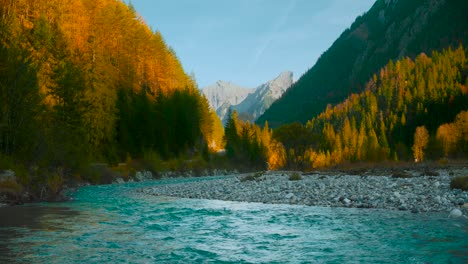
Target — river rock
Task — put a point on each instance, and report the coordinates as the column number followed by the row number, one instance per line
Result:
column 119, row 181
column 455, row 213
column 143, row 175
column 6, row 174
column 416, row 194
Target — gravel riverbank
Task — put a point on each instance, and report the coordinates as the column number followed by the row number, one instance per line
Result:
column 416, row 193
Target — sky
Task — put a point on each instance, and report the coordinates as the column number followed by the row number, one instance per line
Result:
column 249, row 42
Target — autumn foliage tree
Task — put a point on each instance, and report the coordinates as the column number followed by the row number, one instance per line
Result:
column 454, row 136
column 421, row 137
column 379, row 123
column 250, row 147
column 446, row 135
column 89, row 80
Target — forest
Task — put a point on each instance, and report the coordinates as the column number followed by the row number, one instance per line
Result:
column 88, row 82
column 411, row 110
column 389, row 30
column 429, row 93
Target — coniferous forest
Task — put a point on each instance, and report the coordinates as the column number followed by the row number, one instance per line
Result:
column 389, row 30
column 410, row 110
column 89, row 82
column 84, row 83
column 429, row 93
column 110, row 152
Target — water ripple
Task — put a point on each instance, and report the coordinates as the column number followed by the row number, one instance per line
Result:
column 116, row 223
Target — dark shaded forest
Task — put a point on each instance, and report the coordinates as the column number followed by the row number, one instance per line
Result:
column 390, row 30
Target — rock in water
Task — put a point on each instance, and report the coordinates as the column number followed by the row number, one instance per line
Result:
column 119, row 181
column 455, row 213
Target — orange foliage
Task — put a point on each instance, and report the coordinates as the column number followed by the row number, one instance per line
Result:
column 107, row 41
column 110, row 33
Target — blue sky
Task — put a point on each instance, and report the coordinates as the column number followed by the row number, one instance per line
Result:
column 249, row 42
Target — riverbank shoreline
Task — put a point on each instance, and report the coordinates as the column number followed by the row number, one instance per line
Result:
column 411, row 187
column 19, row 196
column 408, row 189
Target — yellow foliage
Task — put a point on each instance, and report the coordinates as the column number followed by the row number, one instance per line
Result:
column 461, row 124
column 276, row 155
column 421, row 137
column 447, row 135
column 318, row 159
column 112, row 45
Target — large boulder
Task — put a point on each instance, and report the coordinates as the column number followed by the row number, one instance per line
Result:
column 455, row 213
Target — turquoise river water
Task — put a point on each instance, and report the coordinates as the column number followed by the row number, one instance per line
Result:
column 118, row 224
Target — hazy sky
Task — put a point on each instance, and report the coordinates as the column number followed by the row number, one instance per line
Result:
column 249, row 42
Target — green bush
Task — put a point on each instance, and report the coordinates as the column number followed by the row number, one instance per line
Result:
column 443, row 161
column 6, row 162
column 459, row 182
column 174, row 164
column 295, row 177
column 10, row 186
column 197, row 165
column 124, row 171
column 152, row 161
column 55, row 181
column 99, row 174
column 21, row 173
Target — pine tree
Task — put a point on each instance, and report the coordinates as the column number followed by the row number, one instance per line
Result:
column 231, row 136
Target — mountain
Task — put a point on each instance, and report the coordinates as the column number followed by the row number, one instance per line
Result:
column 222, row 95
column 225, row 92
column 390, row 30
column 249, row 103
column 256, row 103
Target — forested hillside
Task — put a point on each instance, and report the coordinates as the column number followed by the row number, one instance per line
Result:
column 88, row 81
column 389, row 30
column 411, row 109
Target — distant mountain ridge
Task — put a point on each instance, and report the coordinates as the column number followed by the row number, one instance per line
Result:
column 249, row 103
column 390, row 30
column 257, row 102
column 223, row 92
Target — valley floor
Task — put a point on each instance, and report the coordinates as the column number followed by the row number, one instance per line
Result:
column 413, row 190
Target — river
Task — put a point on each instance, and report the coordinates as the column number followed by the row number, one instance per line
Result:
column 117, row 224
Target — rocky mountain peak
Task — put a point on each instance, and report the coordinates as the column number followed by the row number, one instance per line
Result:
column 249, row 103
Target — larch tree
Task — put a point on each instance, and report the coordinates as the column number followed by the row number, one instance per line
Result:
column 421, row 137
column 447, row 136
